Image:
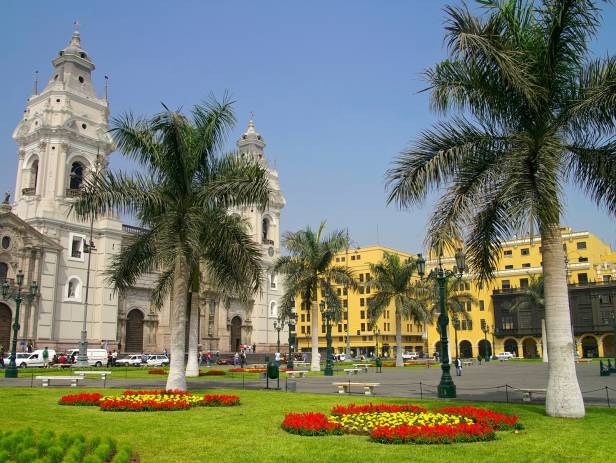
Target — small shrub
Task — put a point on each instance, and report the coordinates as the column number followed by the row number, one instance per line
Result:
column 157, row 371
column 213, row 373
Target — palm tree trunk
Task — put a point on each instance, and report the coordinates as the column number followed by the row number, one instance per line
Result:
column 192, row 365
column 399, row 359
column 177, row 322
column 315, row 363
column 563, row 398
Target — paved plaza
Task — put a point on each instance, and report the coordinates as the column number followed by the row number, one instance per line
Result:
column 495, row 381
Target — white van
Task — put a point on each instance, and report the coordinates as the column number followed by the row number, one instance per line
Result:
column 35, row 359
column 96, row 357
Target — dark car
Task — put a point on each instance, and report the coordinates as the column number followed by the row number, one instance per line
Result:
column 225, row 361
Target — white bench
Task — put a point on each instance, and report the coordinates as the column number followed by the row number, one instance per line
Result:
column 467, row 363
column 294, row 373
column 103, row 374
column 257, row 365
column 352, row 371
column 527, row 394
column 362, row 366
column 73, row 379
column 344, row 388
column 302, row 364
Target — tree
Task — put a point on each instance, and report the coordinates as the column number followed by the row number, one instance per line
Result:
column 528, row 120
column 309, row 268
column 396, row 283
column 182, row 201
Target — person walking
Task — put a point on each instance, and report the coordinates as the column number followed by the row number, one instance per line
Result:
column 458, row 364
column 45, row 358
column 109, row 359
column 208, row 359
column 29, row 347
column 243, row 359
column 1, row 356
column 114, row 358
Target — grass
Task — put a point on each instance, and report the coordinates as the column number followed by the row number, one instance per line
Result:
column 251, row 432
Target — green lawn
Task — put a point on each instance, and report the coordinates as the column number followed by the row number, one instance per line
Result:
column 251, row 432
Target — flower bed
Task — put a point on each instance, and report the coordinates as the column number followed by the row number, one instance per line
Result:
column 310, row 424
column 236, row 370
column 404, row 424
column 156, row 400
column 157, row 372
column 84, row 399
column 212, row 373
column 220, row 400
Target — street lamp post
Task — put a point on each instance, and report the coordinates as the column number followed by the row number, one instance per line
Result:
column 327, row 316
column 493, row 343
column 456, row 326
column 14, row 293
column 446, row 388
column 485, row 329
column 278, row 326
column 291, row 341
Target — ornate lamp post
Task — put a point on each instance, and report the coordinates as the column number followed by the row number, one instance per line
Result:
column 485, row 329
column 327, row 316
column 9, row 292
column 278, row 326
column 291, row 341
column 456, row 326
column 446, row 388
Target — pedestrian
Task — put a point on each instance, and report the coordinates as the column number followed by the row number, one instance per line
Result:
column 236, row 359
column 114, row 358
column 199, row 358
column 1, row 356
column 208, row 359
column 254, row 348
column 45, row 358
column 243, row 359
column 73, row 355
column 277, row 358
column 29, row 347
column 109, row 359
column 458, row 364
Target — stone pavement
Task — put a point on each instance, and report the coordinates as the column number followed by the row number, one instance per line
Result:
column 495, row 381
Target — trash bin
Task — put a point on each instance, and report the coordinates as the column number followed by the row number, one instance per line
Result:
column 273, row 371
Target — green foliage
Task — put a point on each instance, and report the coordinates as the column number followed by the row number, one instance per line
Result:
column 24, row 446
column 531, row 111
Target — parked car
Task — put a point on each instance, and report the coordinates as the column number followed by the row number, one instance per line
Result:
column 96, row 357
column 410, row 356
column 20, row 356
column 133, row 360
column 157, row 360
column 35, row 359
column 340, row 357
column 505, row 356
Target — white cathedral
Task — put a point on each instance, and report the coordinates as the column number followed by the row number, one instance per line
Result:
column 63, row 129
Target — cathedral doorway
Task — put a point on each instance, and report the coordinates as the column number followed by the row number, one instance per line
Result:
column 236, row 334
column 466, row 350
column 5, row 326
column 134, row 332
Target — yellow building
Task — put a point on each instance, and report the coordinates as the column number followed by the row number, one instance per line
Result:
column 591, row 269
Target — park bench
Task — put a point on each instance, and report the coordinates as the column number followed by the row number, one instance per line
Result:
column 103, row 374
column 527, row 394
column 258, row 365
column 362, row 366
column 73, row 379
column 345, row 388
column 467, row 363
column 302, row 364
column 352, row 371
column 294, row 373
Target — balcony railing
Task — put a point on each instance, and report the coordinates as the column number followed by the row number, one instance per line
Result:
column 132, row 229
column 72, row 192
column 28, row 191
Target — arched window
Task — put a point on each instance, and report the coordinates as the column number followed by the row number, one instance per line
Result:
column 4, row 271
column 265, row 226
column 273, row 310
column 72, row 290
column 273, row 281
column 34, row 175
column 76, row 177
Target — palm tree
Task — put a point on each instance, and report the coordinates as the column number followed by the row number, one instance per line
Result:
column 181, row 201
column 396, row 282
column 528, row 120
column 309, row 268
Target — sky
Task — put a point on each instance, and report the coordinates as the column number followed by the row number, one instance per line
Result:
column 333, row 86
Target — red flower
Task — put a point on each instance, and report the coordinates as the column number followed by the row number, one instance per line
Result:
column 213, row 373
column 440, row 434
column 370, row 408
column 81, row 399
column 497, row 420
column 157, row 372
column 214, row 400
column 236, row 370
column 310, row 424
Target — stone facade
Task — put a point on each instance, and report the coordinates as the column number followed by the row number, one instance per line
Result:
column 63, row 138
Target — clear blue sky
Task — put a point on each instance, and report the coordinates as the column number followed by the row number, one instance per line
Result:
column 333, row 85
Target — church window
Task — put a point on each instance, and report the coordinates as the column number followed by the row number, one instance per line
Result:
column 84, row 126
column 76, row 249
column 76, row 177
column 57, row 100
column 265, row 231
column 81, row 80
column 6, row 242
column 273, row 310
column 4, row 271
column 273, row 281
column 34, row 174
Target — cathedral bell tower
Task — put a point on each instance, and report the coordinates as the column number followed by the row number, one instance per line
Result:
column 62, row 131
